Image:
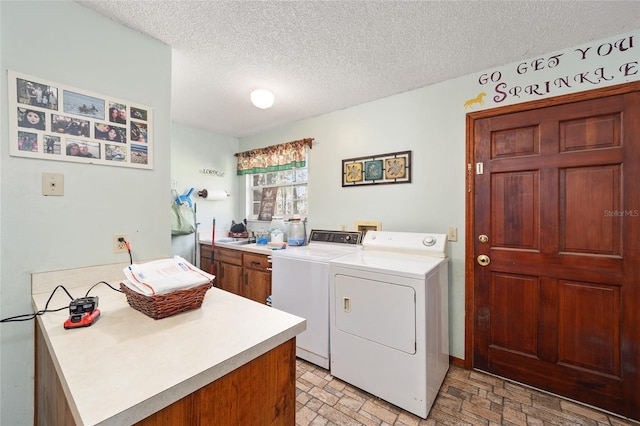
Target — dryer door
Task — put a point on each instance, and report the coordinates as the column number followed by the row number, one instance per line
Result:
column 382, row 312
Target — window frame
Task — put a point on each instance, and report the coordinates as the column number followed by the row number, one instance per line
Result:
column 281, row 209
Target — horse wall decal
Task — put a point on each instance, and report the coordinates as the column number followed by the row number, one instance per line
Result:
column 477, row 100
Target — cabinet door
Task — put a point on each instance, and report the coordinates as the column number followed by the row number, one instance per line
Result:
column 229, row 277
column 257, row 285
column 205, row 257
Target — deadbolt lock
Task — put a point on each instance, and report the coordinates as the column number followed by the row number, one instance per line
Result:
column 483, row 238
column 483, row 260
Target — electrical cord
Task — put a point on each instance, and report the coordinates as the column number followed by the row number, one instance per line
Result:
column 28, row 317
column 128, row 246
column 102, row 282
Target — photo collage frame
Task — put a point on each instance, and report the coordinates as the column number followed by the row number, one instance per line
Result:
column 53, row 121
column 379, row 169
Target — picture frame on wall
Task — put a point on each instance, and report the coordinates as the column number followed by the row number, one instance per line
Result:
column 53, row 121
column 390, row 168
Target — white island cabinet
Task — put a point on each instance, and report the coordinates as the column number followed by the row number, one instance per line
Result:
column 230, row 362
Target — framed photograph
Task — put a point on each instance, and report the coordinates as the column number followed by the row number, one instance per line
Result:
column 52, row 144
column 138, row 114
column 31, row 119
column 53, row 121
column 394, row 167
column 81, row 104
column 115, row 152
column 33, row 93
column 117, row 113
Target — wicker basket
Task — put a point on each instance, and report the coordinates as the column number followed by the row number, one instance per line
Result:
column 165, row 305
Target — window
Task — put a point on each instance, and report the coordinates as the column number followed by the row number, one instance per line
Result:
column 291, row 193
column 276, row 179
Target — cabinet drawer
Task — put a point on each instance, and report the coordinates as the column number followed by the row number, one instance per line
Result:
column 256, row 261
column 228, row 256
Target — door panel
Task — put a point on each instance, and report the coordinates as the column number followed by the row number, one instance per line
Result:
column 378, row 311
column 589, row 338
column 590, row 230
column 558, row 199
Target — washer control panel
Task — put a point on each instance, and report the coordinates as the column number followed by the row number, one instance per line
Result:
column 335, row 237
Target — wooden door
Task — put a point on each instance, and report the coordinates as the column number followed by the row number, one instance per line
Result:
column 556, row 209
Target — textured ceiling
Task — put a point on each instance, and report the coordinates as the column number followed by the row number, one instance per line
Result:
column 322, row 56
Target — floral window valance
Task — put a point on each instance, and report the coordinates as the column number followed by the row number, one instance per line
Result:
column 274, row 158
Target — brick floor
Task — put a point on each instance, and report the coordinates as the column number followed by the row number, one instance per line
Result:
column 466, row 397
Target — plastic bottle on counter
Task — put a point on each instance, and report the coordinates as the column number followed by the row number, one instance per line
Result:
column 296, row 231
column 277, row 224
column 277, row 237
column 262, row 237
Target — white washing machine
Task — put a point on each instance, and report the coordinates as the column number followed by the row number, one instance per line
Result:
column 300, row 286
column 389, row 320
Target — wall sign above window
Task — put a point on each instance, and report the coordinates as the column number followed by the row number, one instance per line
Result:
column 52, row 121
column 389, row 168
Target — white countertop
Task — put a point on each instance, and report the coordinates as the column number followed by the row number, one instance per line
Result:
column 127, row 366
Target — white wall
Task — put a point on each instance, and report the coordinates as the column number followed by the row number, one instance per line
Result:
column 433, row 131
column 431, row 123
column 195, row 153
column 63, row 42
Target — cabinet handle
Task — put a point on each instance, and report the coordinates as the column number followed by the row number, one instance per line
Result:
column 254, row 263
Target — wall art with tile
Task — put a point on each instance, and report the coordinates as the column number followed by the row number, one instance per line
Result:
column 388, row 168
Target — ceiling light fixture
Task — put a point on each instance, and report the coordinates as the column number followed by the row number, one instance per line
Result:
column 262, row 98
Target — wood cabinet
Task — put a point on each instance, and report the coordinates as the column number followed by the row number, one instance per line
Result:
column 228, row 268
column 257, row 277
column 205, row 257
column 260, row 392
column 243, row 273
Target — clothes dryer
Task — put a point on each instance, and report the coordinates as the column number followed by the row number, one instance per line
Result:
column 389, row 317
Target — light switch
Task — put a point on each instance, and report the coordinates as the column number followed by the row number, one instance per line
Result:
column 52, row 184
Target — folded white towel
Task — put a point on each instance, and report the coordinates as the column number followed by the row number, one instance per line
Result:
column 164, row 276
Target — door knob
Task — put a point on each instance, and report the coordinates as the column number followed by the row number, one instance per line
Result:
column 483, row 260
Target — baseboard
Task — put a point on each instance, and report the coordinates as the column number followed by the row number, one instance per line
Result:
column 458, row 362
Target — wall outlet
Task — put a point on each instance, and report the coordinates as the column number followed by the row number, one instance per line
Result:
column 452, row 233
column 52, row 184
column 119, row 246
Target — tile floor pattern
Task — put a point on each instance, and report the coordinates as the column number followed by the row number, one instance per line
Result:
column 465, row 398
